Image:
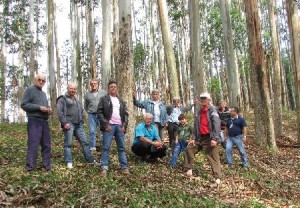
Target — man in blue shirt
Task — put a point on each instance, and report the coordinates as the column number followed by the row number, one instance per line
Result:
column 147, row 143
column 236, row 134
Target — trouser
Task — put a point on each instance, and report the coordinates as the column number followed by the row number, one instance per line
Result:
column 238, row 141
column 93, row 124
column 212, row 154
column 172, row 131
column 160, row 130
column 179, row 147
column 38, row 134
column 76, row 130
column 145, row 150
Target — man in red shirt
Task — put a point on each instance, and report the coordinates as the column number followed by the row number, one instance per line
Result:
column 206, row 137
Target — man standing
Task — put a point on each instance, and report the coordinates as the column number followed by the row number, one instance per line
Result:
column 35, row 104
column 147, row 143
column 113, row 115
column 70, row 115
column 91, row 101
column 173, row 112
column 206, row 137
column 236, row 134
column 156, row 108
column 224, row 114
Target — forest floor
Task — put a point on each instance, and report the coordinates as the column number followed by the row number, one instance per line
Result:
column 273, row 179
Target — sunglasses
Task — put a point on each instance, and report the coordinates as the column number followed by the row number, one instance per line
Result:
column 41, row 80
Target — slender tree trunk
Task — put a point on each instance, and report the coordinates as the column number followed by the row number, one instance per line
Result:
column 106, row 41
column 277, row 71
column 124, row 63
column 51, row 67
column 168, row 47
column 115, row 37
column 91, row 37
column 197, row 66
column 264, row 122
column 32, row 62
column 57, row 52
column 294, row 28
column 2, row 79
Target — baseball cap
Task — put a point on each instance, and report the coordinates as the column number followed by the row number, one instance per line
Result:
column 205, row 95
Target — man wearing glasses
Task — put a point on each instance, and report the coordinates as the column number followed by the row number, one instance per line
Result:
column 35, row 104
column 91, row 101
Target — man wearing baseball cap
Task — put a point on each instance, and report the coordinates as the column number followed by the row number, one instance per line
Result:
column 206, row 137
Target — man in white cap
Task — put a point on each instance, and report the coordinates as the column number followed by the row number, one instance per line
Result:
column 206, row 137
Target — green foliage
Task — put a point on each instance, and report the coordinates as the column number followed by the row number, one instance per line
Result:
column 215, row 88
column 140, row 54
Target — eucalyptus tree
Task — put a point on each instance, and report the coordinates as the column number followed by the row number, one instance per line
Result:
column 89, row 7
column 294, row 28
column 264, row 121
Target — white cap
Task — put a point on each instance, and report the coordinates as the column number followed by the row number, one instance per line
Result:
column 205, row 95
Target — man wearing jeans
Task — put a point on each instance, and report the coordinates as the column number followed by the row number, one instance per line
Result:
column 35, row 104
column 70, row 115
column 91, row 101
column 113, row 115
column 236, row 134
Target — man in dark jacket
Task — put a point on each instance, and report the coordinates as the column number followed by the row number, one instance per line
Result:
column 35, row 104
column 224, row 114
column 70, row 115
column 113, row 115
column 206, row 137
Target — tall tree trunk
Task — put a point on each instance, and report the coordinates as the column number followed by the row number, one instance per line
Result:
column 168, row 47
column 57, row 52
column 115, row 37
column 125, row 61
column 106, row 41
column 32, row 62
column 197, row 66
column 2, row 78
column 91, row 36
column 294, row 28
column 277, row 71
column 264, row 122
column 51, row 67
column 230, row 55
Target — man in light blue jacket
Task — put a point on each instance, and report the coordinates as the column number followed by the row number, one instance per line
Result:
column 156, row 108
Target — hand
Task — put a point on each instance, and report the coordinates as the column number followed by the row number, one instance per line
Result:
column 108, row 128
column 166, row 125
column 192, row 142
column 244, row 138
column 176, row 141
column 44, row 109
column 123, row 129
column 213, row 143
column 158, row 144
column 50, row 111
column 67, row 126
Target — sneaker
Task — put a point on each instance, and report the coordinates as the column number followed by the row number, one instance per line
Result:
column 103, row 173
column 93, row 148
column 218, row 181
column 125, row 171
column 189, row 172
column 69, row 165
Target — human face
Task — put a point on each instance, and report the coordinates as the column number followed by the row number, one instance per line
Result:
column 94, row 85
column 204, row 101
column 113, row 89
column 155, row 96
column 148, row 121
column 182, row 122
column 233, row 112
column 72, row 89
column 223, row 105
column 176, row 103
column 40, row 81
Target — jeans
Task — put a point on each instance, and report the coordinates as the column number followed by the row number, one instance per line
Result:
column 238, row 141
column 116, row 131
column 38, row 134
column 77, row 131
column 93, row 124
column 179, row 147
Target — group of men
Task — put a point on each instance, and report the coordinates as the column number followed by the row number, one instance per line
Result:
column 212, row 128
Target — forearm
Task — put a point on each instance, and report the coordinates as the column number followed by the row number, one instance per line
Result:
column 144, row 139
column 245, row 131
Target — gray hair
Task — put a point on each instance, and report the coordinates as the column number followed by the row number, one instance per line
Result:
column 148, row 115
column 154, row 90
column 72, row 83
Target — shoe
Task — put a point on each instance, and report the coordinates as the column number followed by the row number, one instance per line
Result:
column 69, row 165
column 218, row 181
column 125, row 171
column 94, row 163
column 103, row 173
column 189, row 172
column 93, row 148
